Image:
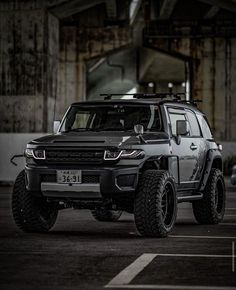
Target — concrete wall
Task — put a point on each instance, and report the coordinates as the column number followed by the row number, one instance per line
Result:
column 29, row 56
column 40, row 75
column 12, row 144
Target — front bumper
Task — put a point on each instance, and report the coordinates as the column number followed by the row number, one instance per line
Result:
column 99, row 182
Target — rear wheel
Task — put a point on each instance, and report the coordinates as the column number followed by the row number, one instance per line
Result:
column 155, row 204
column 31, row 214
column 210, row 209
column 105, row 215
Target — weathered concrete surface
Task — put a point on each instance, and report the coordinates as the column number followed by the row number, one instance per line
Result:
column 29, row 54
column 213, row 63
column 40, row 75
column 13, row 144
column 79, row 45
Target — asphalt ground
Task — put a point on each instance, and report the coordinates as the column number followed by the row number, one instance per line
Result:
column 81, row 253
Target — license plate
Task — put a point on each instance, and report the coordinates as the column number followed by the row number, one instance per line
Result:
column 69, row 176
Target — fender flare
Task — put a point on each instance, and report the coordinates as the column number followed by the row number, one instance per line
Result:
column 159, row 161
column 213, row 159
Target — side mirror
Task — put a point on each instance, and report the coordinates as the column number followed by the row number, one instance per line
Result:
column 182, row 128
column 56, row 125
column 138, row 129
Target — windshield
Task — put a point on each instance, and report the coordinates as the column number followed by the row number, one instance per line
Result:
column 112, row 118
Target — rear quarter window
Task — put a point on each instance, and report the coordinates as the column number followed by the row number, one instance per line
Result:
column 194, row 126
column 206, row 131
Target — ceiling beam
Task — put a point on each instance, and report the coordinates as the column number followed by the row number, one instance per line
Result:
column 167, row 8
column 212, row 12
column 223, row 4
column 111, row 9
column 72, row 7
column 55, row 2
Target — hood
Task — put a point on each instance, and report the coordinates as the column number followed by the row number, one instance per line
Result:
column 89, row 138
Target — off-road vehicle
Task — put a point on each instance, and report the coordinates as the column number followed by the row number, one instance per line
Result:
column 142, row 156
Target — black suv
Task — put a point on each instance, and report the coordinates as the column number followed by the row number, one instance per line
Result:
column 143, row 156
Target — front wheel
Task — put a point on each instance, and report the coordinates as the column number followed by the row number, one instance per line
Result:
column 155, row 205
column 210, row 209
column 31, row 214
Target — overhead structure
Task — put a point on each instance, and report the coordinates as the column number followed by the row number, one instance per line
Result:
column 203, row 34
column 167, row 8
column 55, row 52
column 68, row 8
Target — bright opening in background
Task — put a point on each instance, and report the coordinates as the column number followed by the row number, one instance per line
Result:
column 132, row 91
column 133, row 9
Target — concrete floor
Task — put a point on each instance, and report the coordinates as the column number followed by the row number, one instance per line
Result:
column 81, row 253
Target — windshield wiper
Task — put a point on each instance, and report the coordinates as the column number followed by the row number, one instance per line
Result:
column 77, row 130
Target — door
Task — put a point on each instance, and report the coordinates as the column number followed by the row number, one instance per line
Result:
column 189, row 149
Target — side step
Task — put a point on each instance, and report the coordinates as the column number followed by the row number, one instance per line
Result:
column 189, row 198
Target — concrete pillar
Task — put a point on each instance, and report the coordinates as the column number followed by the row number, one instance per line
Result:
column 29, row 55
column 213, row 63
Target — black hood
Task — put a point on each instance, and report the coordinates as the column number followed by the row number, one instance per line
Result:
column 115, row 138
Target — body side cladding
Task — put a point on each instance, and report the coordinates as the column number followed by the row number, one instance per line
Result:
column 213, row 160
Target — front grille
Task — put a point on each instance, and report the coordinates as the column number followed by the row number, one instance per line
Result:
column 76, row 156
column 49, row 178
column 85, row 178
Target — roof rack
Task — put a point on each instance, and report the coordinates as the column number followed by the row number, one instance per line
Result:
column 175, row 96
column 191, row 102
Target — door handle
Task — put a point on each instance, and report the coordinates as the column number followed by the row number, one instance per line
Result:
column 193, row 146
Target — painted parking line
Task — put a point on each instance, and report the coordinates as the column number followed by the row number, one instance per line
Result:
column 230, row 208
column 233, row 256
column 171, row 287
column 130, row 272
column 123, row 279
column 202, row 237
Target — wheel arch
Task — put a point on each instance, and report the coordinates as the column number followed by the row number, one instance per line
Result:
column 163, row 162
column 217, row 163
column 155, row 162
column 213, row 160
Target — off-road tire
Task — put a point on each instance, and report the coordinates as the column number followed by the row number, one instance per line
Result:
column 105, row 215
column 31, row 214
column 152, row 217
column 210, row 209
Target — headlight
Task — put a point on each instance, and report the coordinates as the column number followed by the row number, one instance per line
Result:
column 36, row 154
column 112, row 155
column 132, row 154
column 124, row 154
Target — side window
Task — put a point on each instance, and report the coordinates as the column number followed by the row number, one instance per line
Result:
column 206, row 131
column 194, row 126
column 175, row 115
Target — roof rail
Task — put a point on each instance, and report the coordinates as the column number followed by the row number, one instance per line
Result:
column 191, row 102
column 175, row 96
